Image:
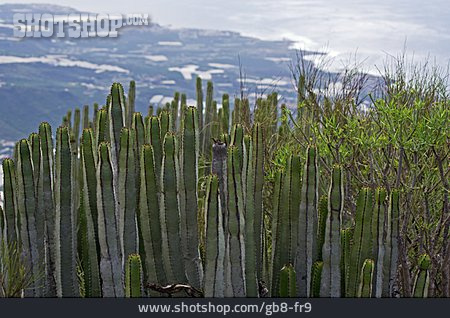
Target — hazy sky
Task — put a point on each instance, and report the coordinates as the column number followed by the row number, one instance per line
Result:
column 370, row 27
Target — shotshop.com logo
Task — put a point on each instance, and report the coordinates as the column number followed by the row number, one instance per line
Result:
column 36, row 25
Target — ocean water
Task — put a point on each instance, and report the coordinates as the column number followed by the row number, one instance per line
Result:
column 369, row 29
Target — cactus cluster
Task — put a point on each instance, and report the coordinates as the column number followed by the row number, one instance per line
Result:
column 178, row 197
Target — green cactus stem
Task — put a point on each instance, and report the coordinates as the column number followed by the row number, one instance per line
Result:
column 316, row 278
column 133, row 276
column 66, row 280
column 288, row 281
column 390, row 260
column 188, row 196
column 331, row 251
column 365, row 281
column 108, row 230
column 306, row 250
column 378, row 239
column 214, row 242
column 10, row 204
column 362, row 239
column 422, row 279
column 46, row 207
column 150, row 236
column 128, row 194
column 170, row 213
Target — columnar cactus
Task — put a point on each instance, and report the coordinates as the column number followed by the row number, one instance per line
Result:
column 366, row 277
column 214, row 285
column 12, row 220
column 288, row 281
column 236, row 225
column 362, row 239
column 26, row 203
column 378, row 240
column 46, row 208
column 306, row 250
column 422, row 279
column 133, row 276
column 391, row 245
column 150, row 236
column 316, row 278
column 331, row 251
column 128, row 194
column 170, row 213
column 108, row 228
column 65, row 256
column 188, row 196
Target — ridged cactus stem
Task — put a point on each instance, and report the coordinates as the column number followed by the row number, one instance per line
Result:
column 128, row 195
column 108, row 231
column 209, row 118
column 46, row 205
column 288, row 205
column 236, row 224
column 90, row 247
column 306, row 251
column 316, row 278
column 153, row 138
column 170, row 213
column 331, row 251
column 366, row 278
column 215, row 241
column 10, row 201
column 101, row 127
column 377, row 240
column 199, row 93
column 131, row 102
column 362, row 242
column 150, row 236
column 251, row 252
column 116, row 121
column 346, row 244
column 258, row 167
column 279, row 220
column 288, row 281
column 390, row 260
column 86, row 123
column 26, row 203
column 133, row 276
column 422, row 279
column 66, row 280
column 189, row 155
column 321, row 226
column 219, row 168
